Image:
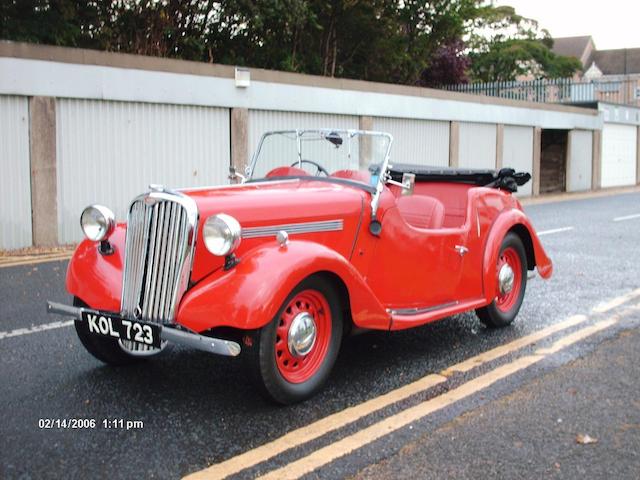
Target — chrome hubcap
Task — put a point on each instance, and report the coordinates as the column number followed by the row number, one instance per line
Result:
column 505, row 279
column 302, row 334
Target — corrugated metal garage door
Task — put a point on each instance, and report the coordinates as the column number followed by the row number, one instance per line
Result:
column 108, row 152
column 518, row 153
column 580, row 160
column 619, row 145
column 477, row 145
column 416, row 142
column 15, row 179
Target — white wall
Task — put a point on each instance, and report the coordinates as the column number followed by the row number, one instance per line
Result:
column 109, row 152
column 619, row 145
column 15, row 179
column 518, row 153
column 477, row 145
column 580, row 160
column 416, row 142
column 66, row 80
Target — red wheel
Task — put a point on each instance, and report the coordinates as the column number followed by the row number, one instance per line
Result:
column 291, row 357
column 303, row 336
column 509, row 279
column 511, row 282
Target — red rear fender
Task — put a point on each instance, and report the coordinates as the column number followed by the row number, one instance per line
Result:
column 249, row 295
column 517, row 221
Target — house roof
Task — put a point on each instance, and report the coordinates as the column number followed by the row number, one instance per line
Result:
column 572, row 46
column 618, row 62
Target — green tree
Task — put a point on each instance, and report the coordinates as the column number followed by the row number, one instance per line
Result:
column 505, row 46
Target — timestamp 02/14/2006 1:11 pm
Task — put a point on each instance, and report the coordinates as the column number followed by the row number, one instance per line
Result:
column 89, row 423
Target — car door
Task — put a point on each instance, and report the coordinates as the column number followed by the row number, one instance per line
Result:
column 417, row 267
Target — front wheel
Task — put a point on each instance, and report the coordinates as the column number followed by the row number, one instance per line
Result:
column 511, row 278
column 292, row 356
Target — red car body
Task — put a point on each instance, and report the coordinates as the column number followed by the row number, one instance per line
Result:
column 406, row 267
column 439, row 251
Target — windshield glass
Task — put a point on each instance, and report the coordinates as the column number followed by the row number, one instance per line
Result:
column 351, row 154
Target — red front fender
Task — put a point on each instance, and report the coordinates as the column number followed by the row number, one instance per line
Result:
column 249, row 295
column 96, row 278
column 511, row 220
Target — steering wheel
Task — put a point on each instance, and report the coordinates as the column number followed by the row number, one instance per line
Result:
column 320, row 168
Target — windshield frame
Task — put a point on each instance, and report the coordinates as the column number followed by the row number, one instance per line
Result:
column 382, row 174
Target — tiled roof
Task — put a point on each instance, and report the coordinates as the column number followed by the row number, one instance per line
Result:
column 618, row 62
column 571, row 46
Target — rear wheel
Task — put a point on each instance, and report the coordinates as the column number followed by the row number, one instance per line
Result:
column 511, row 278
column 105, row 349
column 292, row 356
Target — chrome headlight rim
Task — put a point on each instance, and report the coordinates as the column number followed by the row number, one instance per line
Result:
column 222, row 234
column 104, row 222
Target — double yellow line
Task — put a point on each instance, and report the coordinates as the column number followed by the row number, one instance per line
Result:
column 348, row 444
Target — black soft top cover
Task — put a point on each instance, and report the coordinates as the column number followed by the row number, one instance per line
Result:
column 505, row 178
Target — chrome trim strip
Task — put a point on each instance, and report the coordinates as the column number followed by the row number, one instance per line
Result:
column 293, row 228
column 418, row 311
column 167, row 334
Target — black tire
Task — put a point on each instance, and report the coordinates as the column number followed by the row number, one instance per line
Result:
column 260, row 355
column 105, row 349
column 493, row 315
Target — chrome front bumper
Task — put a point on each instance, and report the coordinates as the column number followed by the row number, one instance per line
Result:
column 173, row 335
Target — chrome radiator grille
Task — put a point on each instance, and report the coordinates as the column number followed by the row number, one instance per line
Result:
column 161, row 232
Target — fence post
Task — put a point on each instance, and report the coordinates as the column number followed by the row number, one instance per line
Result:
column 44, row 179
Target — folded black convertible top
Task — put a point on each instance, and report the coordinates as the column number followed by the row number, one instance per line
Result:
column 505, row 178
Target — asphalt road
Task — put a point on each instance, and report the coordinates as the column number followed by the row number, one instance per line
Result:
column 197, row 409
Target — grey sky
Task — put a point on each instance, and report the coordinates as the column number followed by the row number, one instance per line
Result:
column 611, row 23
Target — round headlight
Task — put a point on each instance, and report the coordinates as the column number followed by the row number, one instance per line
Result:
column 222, row 234
column 97, row 222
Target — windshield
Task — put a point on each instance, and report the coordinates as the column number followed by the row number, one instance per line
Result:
column 351, row 154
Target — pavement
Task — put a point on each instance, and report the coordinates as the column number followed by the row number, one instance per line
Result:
column 581, row 420
column 448, row 399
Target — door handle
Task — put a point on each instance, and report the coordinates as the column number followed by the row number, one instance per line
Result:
column 461, row 249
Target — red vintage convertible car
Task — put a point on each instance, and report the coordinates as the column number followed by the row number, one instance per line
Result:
column 322, row 237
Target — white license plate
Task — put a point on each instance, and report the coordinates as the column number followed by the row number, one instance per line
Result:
column 114, row 326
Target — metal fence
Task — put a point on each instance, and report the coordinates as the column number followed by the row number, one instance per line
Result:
column 625, row 91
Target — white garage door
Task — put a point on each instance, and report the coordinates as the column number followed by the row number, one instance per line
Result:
column 580, row 160
column 518, row 153
column 618, row 155
column 15, row 179
column 477, row 145
column 109, row 152
column 416, row 142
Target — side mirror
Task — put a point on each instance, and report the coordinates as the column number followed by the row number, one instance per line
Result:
column 236, row 177
column 408, row 182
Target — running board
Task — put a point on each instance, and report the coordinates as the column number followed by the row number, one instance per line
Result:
column 412, row 317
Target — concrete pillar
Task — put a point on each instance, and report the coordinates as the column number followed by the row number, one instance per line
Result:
column 365, row 147
column 239, row 138
column 596, row 165
column 454, row 144
column 535, row 169
column 499, row 145
column 44, row 184
column 638, row 156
